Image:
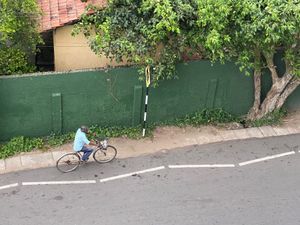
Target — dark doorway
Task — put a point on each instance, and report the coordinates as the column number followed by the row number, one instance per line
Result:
column 44, row 60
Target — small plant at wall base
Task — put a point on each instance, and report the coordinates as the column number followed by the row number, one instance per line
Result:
column 20, row 144
column 25, row 144
column 54, row 140
column 115, row 131
column 204, row 117
column 273, row 118
column 208, row 116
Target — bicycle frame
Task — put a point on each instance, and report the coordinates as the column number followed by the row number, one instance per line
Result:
column 108, row 153
column 98, row 147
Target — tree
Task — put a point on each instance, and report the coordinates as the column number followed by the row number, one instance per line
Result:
column 252, row 32
column 141, row 32
column 19, row 35
column 249, row 32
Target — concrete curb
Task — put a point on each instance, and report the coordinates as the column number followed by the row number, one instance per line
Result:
column 164, row 140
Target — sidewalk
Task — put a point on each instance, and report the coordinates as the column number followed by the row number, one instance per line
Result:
column 165, row 138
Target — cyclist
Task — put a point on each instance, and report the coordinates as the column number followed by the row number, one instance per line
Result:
column 81, row 143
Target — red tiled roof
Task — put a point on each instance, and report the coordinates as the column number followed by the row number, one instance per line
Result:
column 56, row 13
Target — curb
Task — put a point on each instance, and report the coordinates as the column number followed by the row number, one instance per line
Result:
column 134, row 148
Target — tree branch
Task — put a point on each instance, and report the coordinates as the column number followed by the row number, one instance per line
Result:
column 286, row 78
column 288, row 90
column 257, row 86
column 288, row 66
column 272, row 67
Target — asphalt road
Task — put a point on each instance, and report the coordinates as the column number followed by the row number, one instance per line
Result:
column 260, row 193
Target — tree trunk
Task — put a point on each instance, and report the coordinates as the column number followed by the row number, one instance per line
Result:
column 257, row 93
column 289, row 89
column 276, row 97
column 257, row 87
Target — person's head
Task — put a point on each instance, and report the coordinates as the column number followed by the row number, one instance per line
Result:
column 84, row 129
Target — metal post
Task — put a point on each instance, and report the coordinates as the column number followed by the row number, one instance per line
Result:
column 145, row 111
column 148, row 78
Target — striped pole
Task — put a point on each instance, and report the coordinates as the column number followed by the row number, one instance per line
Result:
column 145, row 112
column 147, row 74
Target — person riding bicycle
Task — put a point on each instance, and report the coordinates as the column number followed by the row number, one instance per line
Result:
column 81, row 143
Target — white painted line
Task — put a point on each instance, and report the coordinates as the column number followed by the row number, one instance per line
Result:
column 59, row 182
column 146, row 101
column 131, row 174
column 201, row 166
column 266, row 158
column 145, row 116
column 9, row 186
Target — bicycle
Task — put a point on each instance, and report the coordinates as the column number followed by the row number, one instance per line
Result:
column 103, row 153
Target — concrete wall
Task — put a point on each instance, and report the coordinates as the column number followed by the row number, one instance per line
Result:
column 38, row 105
column 72, row 53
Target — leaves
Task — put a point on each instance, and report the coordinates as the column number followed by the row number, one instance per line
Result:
column 207, row 116
column 273, row 118
column 234, row 27
column 14, row 61
column 18, row 34
column 20, row 144
column 142, row 32
column 158, row 33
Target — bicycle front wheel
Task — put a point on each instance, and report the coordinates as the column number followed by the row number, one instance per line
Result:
column 68, row 162
column 105, row 155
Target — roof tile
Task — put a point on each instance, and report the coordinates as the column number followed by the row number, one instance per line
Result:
column 57, row 13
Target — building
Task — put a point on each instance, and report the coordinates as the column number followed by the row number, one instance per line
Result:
column 62, row 51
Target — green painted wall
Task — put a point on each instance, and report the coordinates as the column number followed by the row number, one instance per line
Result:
column 200, row 86
column 39, row 105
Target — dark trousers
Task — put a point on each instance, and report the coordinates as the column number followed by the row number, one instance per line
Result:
column 86, row 153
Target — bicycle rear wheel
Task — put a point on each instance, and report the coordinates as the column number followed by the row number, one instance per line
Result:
column 68, row 162
column 105, row 155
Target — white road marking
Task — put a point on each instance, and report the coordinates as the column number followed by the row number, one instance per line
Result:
column 149, row 170
column 201, row 166
column 59, row 182
column 9, row 186
column 131, row 174
column 266, row 158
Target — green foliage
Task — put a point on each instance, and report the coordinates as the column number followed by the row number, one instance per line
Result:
column 209, row 116
column 273, row 118
column 157, row 33
column 204, row 117
column 20, row 144
column 237, row 30
column 32, row 143
column 19, row 35
column 140, row 32
column 14, row 61
column 24, row 144
column 115, row 131
column 57, row 140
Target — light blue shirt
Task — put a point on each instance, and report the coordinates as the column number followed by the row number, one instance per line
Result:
column 80, row 140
